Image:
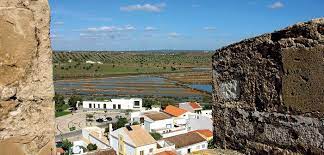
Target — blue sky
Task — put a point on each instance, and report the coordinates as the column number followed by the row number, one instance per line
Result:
column 170, row 24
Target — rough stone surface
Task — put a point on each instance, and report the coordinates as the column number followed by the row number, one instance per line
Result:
column 278, row 106
column 26, row 86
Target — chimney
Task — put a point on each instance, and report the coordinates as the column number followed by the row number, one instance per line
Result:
column 110, row 127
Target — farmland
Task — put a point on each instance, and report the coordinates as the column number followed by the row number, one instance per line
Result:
column 105, row 64
column 166, row 77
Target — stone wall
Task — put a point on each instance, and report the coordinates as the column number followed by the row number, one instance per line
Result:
column 269, row 92
column 26, row 86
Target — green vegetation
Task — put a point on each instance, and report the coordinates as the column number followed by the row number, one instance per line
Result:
column 89, row 117
column 66, row 145
column 74, row 99
column 100, row 64
column 211, row 144
column 92, row 147
column 207, row 107
column 135, row 123
column 61, row 108
column 156, row 135
column 120, row 123
column 62, row 113
column 72, row 128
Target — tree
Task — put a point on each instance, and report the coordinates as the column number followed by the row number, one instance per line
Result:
column 135, row 123
column 59, row 102
column 207, row 107
column 211, row 144
column 66, row 145
column 120, row 123
column 92, row 147
column 73, row 100
column 156, row 135
column 59, row 99
column 147, row 104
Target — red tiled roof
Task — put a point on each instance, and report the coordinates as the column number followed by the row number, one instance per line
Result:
column 205, row 132
column 195, row 105
column 60, row 150
column 166, row 153
column 174, row 111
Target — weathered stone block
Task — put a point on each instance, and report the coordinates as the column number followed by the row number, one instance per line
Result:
column 268, row 91
column 26, row 85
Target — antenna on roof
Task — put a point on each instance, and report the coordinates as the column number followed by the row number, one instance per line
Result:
column 129, row 128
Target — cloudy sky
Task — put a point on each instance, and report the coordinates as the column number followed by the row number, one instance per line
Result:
column 170, row 24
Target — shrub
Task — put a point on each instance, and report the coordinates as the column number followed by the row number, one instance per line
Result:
column 156, row 135
column 92, row 147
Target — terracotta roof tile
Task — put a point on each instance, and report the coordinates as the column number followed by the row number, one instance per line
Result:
column 174, row 111
column 195, row 105
column 166, row 153
column 186, row 139
column 205, row 132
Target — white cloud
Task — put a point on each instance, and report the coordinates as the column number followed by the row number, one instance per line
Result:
column 129, row 28
column 276, row 5
column 59, row 23
column 209, row 28
column 111, row 28
column 144, row 7
column 149, row 28
column 173, row 34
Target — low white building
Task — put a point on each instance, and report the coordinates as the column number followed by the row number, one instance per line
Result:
column 132, row 103
column 136, row 115
column 207, row 113
column 132, row 140
column 162, row 123
column 180, row 115
column 95, row 135
column 193, row 107
column 188, row 143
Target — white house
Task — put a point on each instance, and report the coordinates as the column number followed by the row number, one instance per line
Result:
column 207, row 113
column 132, row 103
column 198, row 122
column 180, row 115
column 162, row 123
column 132, row 140
column 136, row 115
column 193, row 107
column 188, row 142
column 95, row 135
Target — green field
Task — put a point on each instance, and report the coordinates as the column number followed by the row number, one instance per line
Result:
column 101, row 64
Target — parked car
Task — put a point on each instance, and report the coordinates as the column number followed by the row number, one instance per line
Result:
column 109, row 118
column 99, row 120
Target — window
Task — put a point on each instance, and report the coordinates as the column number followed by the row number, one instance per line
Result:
column 90, row 106
column 98, row 105
column 197, row 147
column 189, row 150
column 119, row 106
column 136, row 103
column 114, row 106
column 151, row 150
column 94, row 105
column 203, row 146
column 141, row 152
column 105, row 106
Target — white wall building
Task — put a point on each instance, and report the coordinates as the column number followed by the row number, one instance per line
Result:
column 193, row 107
column 162, row 123
column 132, row 103
column 132, row 140
column 95, row 135
column 188, row 142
